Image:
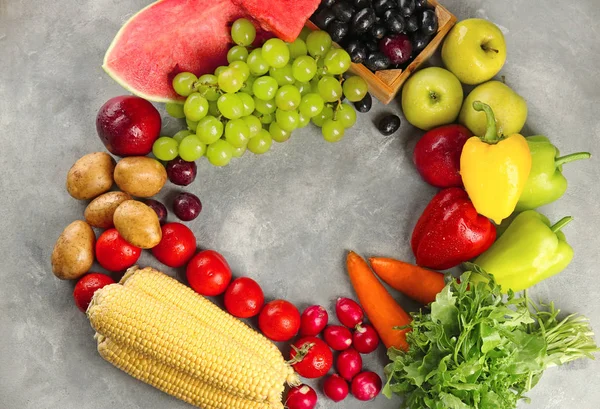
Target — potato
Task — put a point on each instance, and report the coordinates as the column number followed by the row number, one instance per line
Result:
column 73, row 252
column 91, row 175
column 140, row 176
column 100, row 211
column 138, row 224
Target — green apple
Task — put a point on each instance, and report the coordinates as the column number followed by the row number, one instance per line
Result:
column 474, row 50
column 431, row 97
column 509, row 108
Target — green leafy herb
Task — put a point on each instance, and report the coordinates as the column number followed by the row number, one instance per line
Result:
column 475, row 348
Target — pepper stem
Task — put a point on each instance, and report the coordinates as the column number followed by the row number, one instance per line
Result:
column 491, row 134
column 571, row 158
column 561, row 223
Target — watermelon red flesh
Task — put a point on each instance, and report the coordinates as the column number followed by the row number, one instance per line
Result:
column 169, row 37
column 285, row 18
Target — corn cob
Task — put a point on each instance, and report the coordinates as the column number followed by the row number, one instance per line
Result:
column 135, row 320
column 170, row 380
column 170, row 291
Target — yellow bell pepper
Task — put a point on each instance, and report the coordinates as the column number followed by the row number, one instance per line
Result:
column 494, row 169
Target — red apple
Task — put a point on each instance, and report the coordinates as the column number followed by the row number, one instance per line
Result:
column 128, row 125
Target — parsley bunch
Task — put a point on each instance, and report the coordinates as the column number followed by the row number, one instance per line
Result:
column 476, row 348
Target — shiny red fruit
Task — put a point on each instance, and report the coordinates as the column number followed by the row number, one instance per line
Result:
column 366, row 386
column 337, row 337
column 349, row 312
column 279, row 320
column 311, row 357
column 365, row 339
column 301, row 397
column 177, row 246
column 349, row 364
column 244, row 298
column 313, row 320
column 128, row 125
column 208, row 273
column 114, row 253
column 87, row 286
column 335, row 388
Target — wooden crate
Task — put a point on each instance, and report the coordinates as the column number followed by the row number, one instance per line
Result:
column 385, row 84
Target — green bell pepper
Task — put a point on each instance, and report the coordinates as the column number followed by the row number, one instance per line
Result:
column 546, row 182
column 529, row 251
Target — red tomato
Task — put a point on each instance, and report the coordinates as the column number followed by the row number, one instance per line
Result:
column 208, row 273
column 311, row 357
column 279, row 320
column 177, row 245
column 244, row 298
column 114, row 253
column 87, row 286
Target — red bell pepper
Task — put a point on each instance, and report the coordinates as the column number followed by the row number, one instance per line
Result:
column 437, row 155
column 450, row 231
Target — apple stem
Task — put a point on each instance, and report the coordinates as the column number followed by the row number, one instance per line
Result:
column 486, row 48
column 491, row 134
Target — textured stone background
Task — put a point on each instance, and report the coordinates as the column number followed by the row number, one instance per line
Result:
column 285, row 218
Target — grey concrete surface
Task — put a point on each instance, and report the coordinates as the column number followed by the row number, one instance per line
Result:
column 286, row 218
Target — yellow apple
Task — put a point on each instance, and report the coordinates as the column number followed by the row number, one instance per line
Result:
column 509, row 108
column 474, row 50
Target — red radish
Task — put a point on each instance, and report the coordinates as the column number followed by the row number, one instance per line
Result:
column 301, row 397
column 349, row 364
column 366, row 385
column 365, row 339
column 311, row 357
column 87, row 286
column 335, row 388
column 338, row 337
column 313, row 320
column 349, row 312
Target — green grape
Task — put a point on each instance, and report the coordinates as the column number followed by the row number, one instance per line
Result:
column 314, row 84
column 219, row 153
column 191, row 149
column 231, row 80
column 311, row 105
column 213, row 108
column 303, row 120
column 321, row 69
column 355, row 88
column 242, row 68
column 275, row 53
column 243, row 32
column 248, row 84
column 256, row 63
column 330, row 89
column 165, row 148
column 195, row 107
column 261, row 143
column 220, row 69
column 207, row 87
column 239, row 152
column 337, row 61
column 303, row 87
column 297, row 48
column 175, row 109
column 304, row 68
column 181, row 134
column 248, row 102
column 253, row 124
column 304, row 33
column 209, row 130
column 283, row 76
column 191, row 124
column 237, row 132
column 318, row 43
column 266, row 119
column 288, row 98
column 326, row 113
column 287, row 120
column 264, row 107
column 265, row 88
column 231, row 106
column 332, row 130
column 278, row 133
column 237, row 53
column 184, row 82
column 346, row 115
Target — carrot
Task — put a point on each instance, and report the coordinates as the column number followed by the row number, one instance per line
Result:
column 416, row 282
column 381, row 309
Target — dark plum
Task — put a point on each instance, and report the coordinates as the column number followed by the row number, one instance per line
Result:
column 389, row 124
column 394, row 21
column 397, row 48
column 337, row 30
column 187, row 206
column 412, row 23
column 361, row 4
column 365, row 104
column 420, row 41
column 420, row 4
column 380, row 6
column 357, row 51
column 180, row 172
column 378, row 31
column 343, row 11
column 429, row 22
column 377, row 61
column 363, row 20
column 407, row 7
column 159, row 208
column 323, row 18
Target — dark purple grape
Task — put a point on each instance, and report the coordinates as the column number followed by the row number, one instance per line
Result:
column 343, row 11
column 389, row 124
column 371, row 44
column 357, row 51
column 323, row 18
column 377, row 61
column 412, row 23
column 180, row 172
column 429, row 22
column 364, row 105
column 378, row 31
column 363, row 20
column 407, row 7
column 420, row 4
column 397, row 48
column 381, row 6
column 337, row 30
column 327, row 3
column 159, row 208
column 394, row 21
column 186, row 206
column 361, row 4
column 420, row 41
